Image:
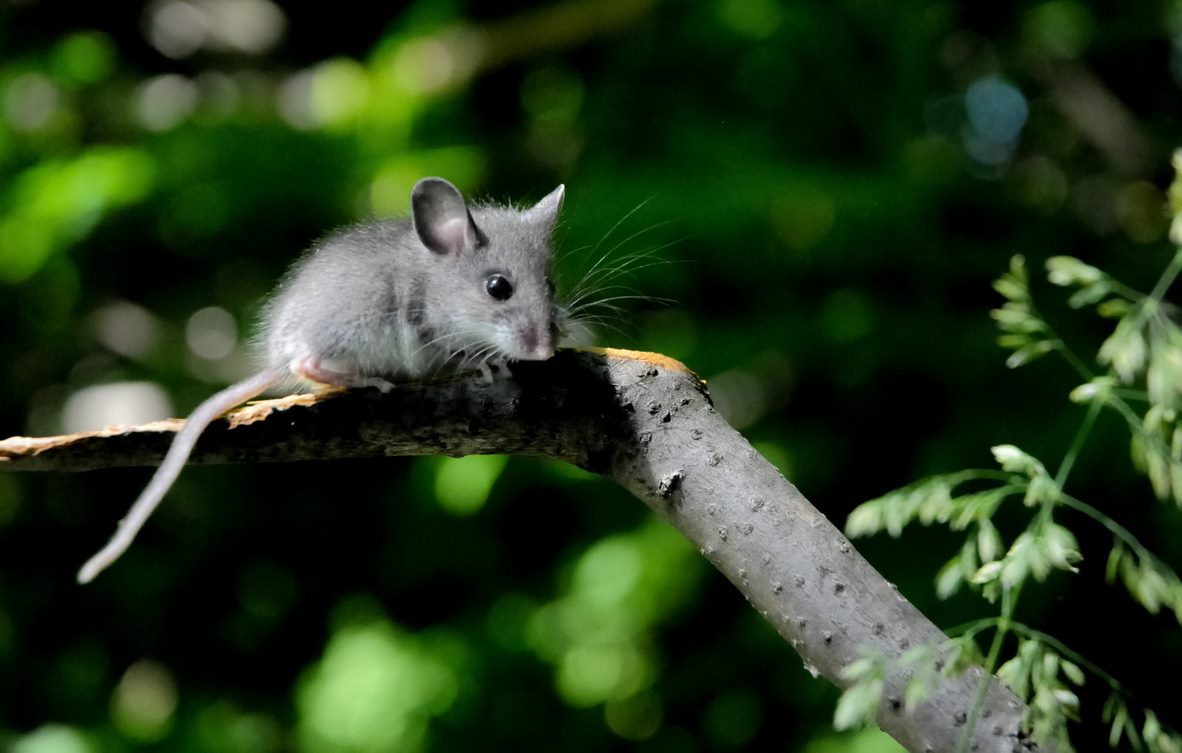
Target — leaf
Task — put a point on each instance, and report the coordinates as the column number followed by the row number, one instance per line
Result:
column 865, row 519
column 1067, row 701
column 1114, row 308
column 1067, row 270
column 975, row 508
column 1116, row 713
column 1151, row 731
column 860, row 669
column 1014, row 285
column 1163, row 376
column 1050, row 665
column 857, row 705
column 963, row 654
column 1114, row 560
column 1025, row 557
column 950, row 578
column 917, row 688
column 1042, row 489
column 1028, row 353
column 934, row 503
column 1011, row 459
column 988, row 572
column 1089, row 295
column 1014, row 674
column 1017, row 318
column 1073, row 672
column 1125, row 349
column 1097, row 389
column 1061, row 547
column 988, row 541
column 1010, row 288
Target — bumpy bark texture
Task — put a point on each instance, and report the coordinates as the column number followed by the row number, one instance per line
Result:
column 647, row 423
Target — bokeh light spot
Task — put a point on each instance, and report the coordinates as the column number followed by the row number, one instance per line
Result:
column 86, row 57
column 127, row 329
column 53, row 738
column 552, row 94
column 144, row 701
column 30, row 101
column 376, row 690
column 755, row 19
column 1063, row 28
column 118, row 403
column 803, row 218
column 847, row 316
column 340, row 92
column 165, row 101
column 996, row 112
column 462, row 485
column 211, row 333
column 733, row 718
column 635, row 718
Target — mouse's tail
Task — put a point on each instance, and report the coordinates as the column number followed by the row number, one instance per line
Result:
column 174, row 461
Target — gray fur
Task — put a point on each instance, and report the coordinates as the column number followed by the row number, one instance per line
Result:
column 325, row 306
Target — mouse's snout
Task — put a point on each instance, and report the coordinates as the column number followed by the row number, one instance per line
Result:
column 536, row 345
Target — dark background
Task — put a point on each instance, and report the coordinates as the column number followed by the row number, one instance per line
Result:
column 834, row 186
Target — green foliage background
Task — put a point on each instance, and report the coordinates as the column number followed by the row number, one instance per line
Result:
column 834, row 184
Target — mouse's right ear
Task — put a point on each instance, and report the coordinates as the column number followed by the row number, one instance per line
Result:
column 546, row 211
column 441, row 218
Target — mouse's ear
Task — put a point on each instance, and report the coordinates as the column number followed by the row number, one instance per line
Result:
column 545, row 212
column 441, row 218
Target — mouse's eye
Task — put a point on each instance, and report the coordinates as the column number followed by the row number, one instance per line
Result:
column 498, row 287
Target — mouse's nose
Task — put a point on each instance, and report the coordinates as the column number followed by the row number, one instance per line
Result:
column 537, row 346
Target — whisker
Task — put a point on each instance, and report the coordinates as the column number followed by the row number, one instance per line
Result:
column 621, row 221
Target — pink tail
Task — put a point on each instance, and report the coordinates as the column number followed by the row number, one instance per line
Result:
column 174, row 461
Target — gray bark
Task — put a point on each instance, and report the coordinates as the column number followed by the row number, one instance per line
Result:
column 647, row 423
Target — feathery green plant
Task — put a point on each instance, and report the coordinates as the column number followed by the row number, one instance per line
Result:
column 1137, row 373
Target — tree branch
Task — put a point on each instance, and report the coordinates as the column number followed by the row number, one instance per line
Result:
column 646, row 422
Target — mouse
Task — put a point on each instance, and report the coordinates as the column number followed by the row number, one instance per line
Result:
column 455, row 286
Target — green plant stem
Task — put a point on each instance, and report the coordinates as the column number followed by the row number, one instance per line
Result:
column 1135, row 424
column 1077, row 443
column 1117, row 530
column 1069, row 356
column 1025, row 630
column 1167, row 277
column 1009, row 599
column 1130, row 394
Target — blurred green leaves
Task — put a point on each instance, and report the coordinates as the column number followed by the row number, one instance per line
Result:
column 1038, row 672
column 1023, row 331
column 376, row 688
column 55, row 203
column 144, row 702
column 54, row 738
column 600, row 633
column 462, row 485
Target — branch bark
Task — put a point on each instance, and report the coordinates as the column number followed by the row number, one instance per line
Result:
column 646, row 422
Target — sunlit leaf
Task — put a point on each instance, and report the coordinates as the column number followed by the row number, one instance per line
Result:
column 1125, row 350
column 1011, row 459
column 1067, row 270
column 858, row 705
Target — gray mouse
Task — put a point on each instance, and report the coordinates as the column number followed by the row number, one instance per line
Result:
column 450, row 287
